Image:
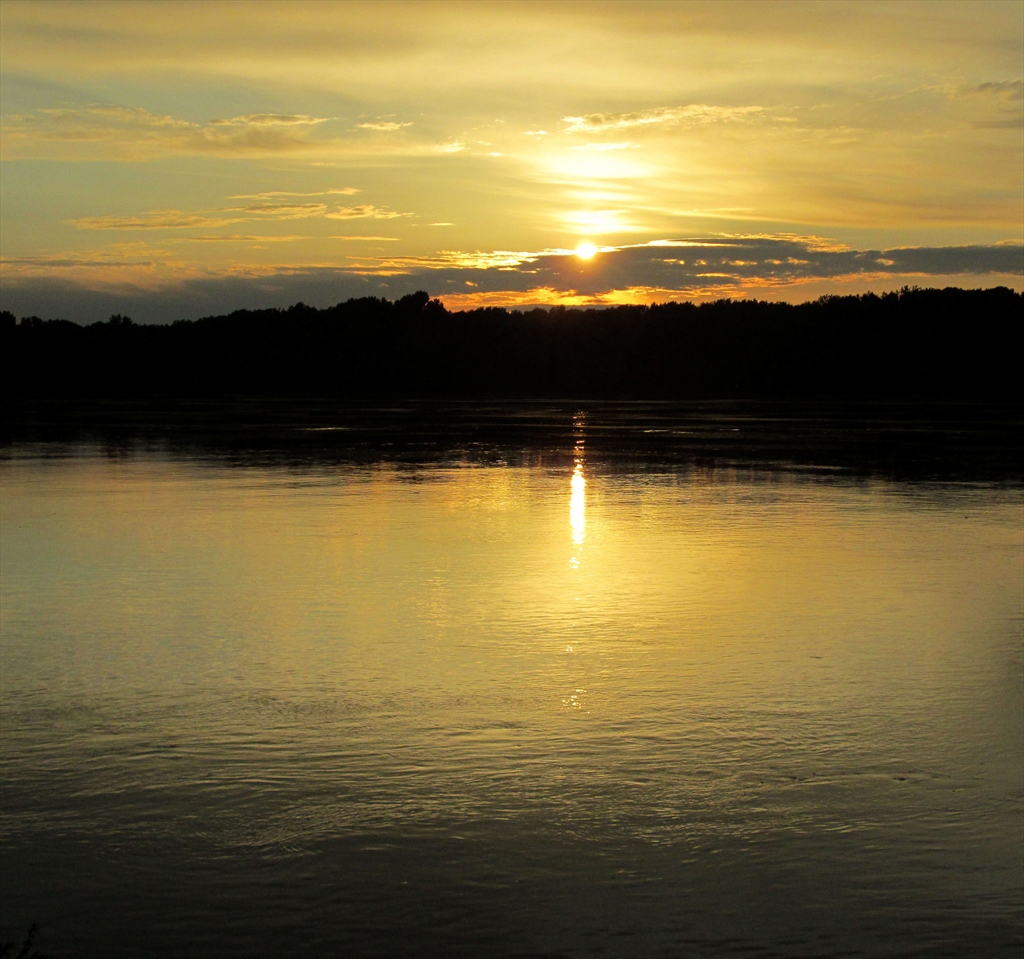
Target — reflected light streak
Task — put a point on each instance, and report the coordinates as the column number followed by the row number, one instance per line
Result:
column 577, row 518
column 576, row 504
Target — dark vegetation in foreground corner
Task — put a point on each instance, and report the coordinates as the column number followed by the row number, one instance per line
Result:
column 951, row 343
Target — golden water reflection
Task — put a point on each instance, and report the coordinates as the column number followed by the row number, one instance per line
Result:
column 578, row 486
column 577, row 505
column 754, row 657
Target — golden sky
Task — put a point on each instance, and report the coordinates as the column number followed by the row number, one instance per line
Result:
column 177, row 159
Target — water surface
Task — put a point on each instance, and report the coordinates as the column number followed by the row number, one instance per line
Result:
column 555, row 704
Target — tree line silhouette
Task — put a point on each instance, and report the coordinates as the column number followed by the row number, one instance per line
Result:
column 949, row 343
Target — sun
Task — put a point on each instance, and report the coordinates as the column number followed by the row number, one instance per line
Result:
column 586, row 250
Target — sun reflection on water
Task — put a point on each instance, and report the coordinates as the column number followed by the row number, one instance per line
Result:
column 578, row 485
column 577, row 517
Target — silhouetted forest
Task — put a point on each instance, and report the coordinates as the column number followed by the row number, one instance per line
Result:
column 949, row 343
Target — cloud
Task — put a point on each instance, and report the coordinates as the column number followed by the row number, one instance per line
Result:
column 289, row 238
column 386, row 125
column 452, row 259
column 179, row 220
column 693, row 114
column 1003, row 89
column 363, row 210
column 115, row 133
column 122, row 268
column 240, row 238
column 283, row 211
column 271, row 194
column 133, row 133
column 1007, row 123
column 999, row 99
column 150, row 284
column 115, row 256
column 683, row 268
column 153, row 220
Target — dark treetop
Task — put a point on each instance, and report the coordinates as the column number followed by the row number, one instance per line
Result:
column 951, row 343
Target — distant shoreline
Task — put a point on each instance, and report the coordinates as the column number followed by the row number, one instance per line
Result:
column 910, row 344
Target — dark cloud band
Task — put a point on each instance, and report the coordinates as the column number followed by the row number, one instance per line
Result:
column 674, row 269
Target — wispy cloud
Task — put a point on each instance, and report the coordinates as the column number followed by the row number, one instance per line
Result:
column 272, row 238
column 500, row 260
column 1003, row 89
column 227, row 216
column 135, row 133
column 116, row 255
column 271, row 194
column 283, row 211
column 992, row 105
column 241, row 238
column 690, row 115
column 153, row 220
column 384, row 125
column 101, row 132
column 121, row 267
column 363, row 210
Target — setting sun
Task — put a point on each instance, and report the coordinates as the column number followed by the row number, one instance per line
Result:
column 586, row 250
